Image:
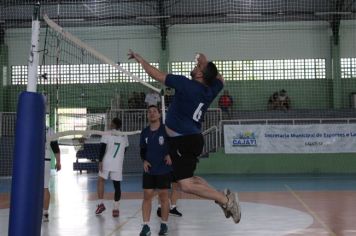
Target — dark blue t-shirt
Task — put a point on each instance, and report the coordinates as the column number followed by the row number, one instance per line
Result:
column 155, row 143
column 190, row 102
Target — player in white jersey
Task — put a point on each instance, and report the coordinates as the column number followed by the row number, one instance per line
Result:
column 47, row 170
column 111, row 159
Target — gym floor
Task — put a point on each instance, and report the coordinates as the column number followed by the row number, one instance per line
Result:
column 271, row 205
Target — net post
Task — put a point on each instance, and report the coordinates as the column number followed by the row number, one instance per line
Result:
column 28, row 161
column 33, row 60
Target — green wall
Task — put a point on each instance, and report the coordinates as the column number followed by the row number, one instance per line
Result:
column 248, row 95
column 92, row 96
column 220, row 163
column 304, row 94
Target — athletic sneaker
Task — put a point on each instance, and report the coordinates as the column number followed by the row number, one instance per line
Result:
column 159, row 214
column 115, row 213
column 45, row 218
column 175, row 212
column 226, row 212
column 163, row 230
column 100, row 209
column 233, row 206
column 146, row 231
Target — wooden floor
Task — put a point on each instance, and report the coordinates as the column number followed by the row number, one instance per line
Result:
column 271, row 205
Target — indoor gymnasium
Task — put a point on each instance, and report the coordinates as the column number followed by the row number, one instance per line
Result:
column 268, row 85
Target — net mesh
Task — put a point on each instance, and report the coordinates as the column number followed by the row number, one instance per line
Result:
column 284, row 62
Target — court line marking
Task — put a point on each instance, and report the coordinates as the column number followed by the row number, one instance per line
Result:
column 313, row 213
column 119, row 227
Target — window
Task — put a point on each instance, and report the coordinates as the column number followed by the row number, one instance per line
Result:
column 182, row 68
column 272, row 69
column 231, row 70
column 348, row 68
column 80, row 74
column 262, row 69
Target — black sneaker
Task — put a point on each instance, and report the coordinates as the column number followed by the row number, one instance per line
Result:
column 175, row 212
column 45, row 217
column 163, row 230
column 146, row 231
column 159, row 212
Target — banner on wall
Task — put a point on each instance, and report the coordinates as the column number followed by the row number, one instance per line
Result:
column 316, row 138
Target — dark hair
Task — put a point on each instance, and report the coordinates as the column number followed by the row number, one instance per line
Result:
column 210, row 73
column 117, row 122
column 151, row 106
column 282, row 92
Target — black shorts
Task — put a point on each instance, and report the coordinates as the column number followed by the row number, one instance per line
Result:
column 184, row 151
column 156, row 181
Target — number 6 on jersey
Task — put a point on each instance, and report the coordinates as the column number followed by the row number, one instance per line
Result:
column 198, row 112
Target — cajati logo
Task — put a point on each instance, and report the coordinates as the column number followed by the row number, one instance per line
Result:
column 244, row 139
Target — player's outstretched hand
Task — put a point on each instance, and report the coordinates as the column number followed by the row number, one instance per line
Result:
column 136, row 56
column 201, row 60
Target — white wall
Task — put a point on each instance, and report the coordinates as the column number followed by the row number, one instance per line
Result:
column 226, row 42
column 251, row 41
column 348, row 39
column 113, row 42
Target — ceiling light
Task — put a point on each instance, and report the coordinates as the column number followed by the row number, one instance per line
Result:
column 151, row 17
column 244, row 15
column 71, row 19
column 332, row 13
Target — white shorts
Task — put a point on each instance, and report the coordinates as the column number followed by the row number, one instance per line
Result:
column 47, row 173
column 114, row 175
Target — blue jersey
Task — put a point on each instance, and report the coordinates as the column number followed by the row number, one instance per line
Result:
column 190, row 103
column 155, row 142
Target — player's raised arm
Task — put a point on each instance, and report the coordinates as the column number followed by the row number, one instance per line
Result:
column 150, row 70
column 221, row 78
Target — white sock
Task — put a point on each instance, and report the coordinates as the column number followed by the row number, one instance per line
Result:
column 164, row 222
column 45, row 212
column 116, row 205
column 173, row 206
column 100, row 201
column 146, row 223
column 159, row 205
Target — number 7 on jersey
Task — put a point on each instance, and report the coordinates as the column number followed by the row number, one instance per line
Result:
column 117, row 149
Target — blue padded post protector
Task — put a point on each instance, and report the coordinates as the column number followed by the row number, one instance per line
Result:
column 28, row 166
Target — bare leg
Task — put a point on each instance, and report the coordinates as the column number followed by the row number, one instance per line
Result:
column 198, row 186
column 164, row 200
column 175, row 195
column 147, row 204
column 100, row 187
column 46, row 199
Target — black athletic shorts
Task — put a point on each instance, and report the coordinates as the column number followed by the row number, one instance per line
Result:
column 184, row 151
column 156, row 181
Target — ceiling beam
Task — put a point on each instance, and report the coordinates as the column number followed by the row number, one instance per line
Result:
column 162, row 25
column 336, row 19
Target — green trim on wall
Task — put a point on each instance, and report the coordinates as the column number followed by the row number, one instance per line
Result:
column 163, row 61
column 329, row 163
column 336, row 74
column 3, row 63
